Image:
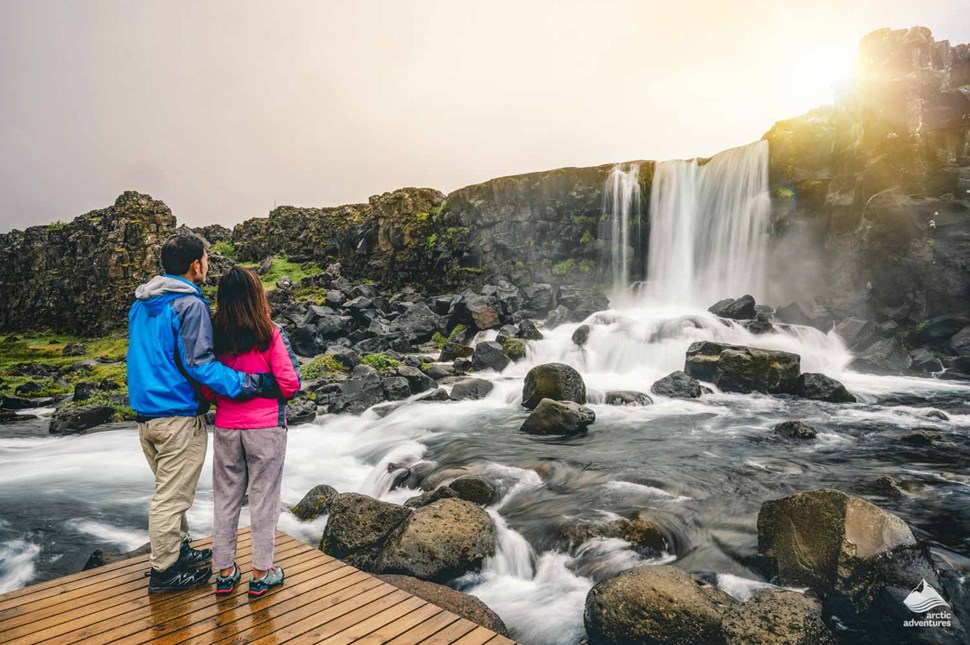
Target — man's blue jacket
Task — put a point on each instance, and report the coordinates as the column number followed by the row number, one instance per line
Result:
column 170, row 352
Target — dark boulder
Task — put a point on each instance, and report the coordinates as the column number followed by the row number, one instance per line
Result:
column 555, row 381
column 527, row 330
column 359, row 527
column 315, row 503
column 776, row 617
column 557, row 316
column 862, row 560
column 300, row 410
column 884, row 356
column 857, row 333
column 627, row 397
column 960, row 342
column 417, row 380
column 359, row 393
column 18, row 403
column 941, row 329
column 539, row 298
column 677, row 385
column 736, row 368
column 477, row 310
column 471, row 388
column 473, row 489
column 465, row 605
column 735, row 308
column 922, row 361
column 100, row 558
column 582, row 303
column 79, row 419
column 558, row 418
column 794, row 430
column 453, row 350
column 646, row 536
column 514, row 348
column 29, row 389
column 820, row 387
column 417, row 324
column 431, row 496
column 396, row 388
column 441, row 541
column 655, row 604
column 344, row 356
column 581, row 335
column 489, row 355
column 439, row 394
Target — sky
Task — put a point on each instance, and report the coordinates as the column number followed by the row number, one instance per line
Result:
column 225, row 108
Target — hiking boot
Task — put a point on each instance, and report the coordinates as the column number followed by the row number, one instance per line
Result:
column 227, row 584
column 176, row 578
column 272, row 578
column 189, row 557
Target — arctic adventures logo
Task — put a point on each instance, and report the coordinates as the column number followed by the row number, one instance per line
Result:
column 923, row 600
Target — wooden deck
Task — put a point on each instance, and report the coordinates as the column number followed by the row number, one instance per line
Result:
column 322, row 601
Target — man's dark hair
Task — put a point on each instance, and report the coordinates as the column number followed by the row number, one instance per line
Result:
column 180, row 251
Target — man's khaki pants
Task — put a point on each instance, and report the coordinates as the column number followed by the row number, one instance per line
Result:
column 175, row 450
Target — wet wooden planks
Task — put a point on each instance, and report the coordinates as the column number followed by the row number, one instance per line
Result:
column 322, row 601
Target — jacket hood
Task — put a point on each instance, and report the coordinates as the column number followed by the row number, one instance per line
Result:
column 162, row 289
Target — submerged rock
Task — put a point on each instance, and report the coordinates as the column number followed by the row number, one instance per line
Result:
column 465, row 605
column 776, row 617
column 100, row 558
column 655, row 604
column 558, row 418
column 315, row 503
column 885, row 356
column 820, row 387
column 581, row 335
column 677, row 385
column 359, row 393
column 553, row 381
column 736, row 368
column 794, row 430
column 473, row 489
column 627, row 397
column 471, row 388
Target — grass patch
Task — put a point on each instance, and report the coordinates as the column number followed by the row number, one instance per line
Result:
column 281, row 266
column 380, row 362
column 440, row 339
column 320, row 366
column 225, row 248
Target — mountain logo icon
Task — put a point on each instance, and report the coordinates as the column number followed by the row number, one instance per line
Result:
column 924, row 598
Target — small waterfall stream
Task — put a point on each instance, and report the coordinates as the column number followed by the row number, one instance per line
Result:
column 621, row 201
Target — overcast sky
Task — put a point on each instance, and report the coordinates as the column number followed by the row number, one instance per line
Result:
column 224, row 108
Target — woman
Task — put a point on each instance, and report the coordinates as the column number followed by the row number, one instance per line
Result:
column 250, row 434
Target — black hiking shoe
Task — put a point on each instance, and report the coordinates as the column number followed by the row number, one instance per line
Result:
column 176, row 578
column 189, row 557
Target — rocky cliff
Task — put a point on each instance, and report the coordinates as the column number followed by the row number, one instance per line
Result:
column 880, row 182
column 80, row 276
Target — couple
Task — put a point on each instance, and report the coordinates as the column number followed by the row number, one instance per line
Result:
column 180, row 360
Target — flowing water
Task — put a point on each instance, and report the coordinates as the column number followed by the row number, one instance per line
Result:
column 621, row 200
column 700, row 468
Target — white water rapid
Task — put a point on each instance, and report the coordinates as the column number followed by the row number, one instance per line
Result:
column 621, row 200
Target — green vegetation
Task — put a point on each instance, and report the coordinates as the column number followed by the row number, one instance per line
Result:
column 282, row 266
column 784, row 193
column 440, row 339
column 225, row 249
column 103, row 360
column 563, row 268
column 316, row 295
column 586, row 238
column 514, row 348
column 320, row 366
column 56, row 226
column 587, row 265
column 380, row 362
column 432, row 241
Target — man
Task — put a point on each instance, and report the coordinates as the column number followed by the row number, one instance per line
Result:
column 169, row 357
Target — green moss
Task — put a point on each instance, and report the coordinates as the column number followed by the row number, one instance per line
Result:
column 587, row 265
column 224, row 248
column 784, row 193
column 563, row 268
column 436, row 211
column 56, row 226
column 422, row 217
column 432, row 241
column 586, row 238
column 320, row 366
column 316, row 295
column 380, row 362
column 440, row 339
column 514, row 348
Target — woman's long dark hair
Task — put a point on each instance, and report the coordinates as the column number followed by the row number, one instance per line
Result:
column 242, row 320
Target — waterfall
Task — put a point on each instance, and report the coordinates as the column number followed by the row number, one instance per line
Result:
column 621, row 199
column 709, row 228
